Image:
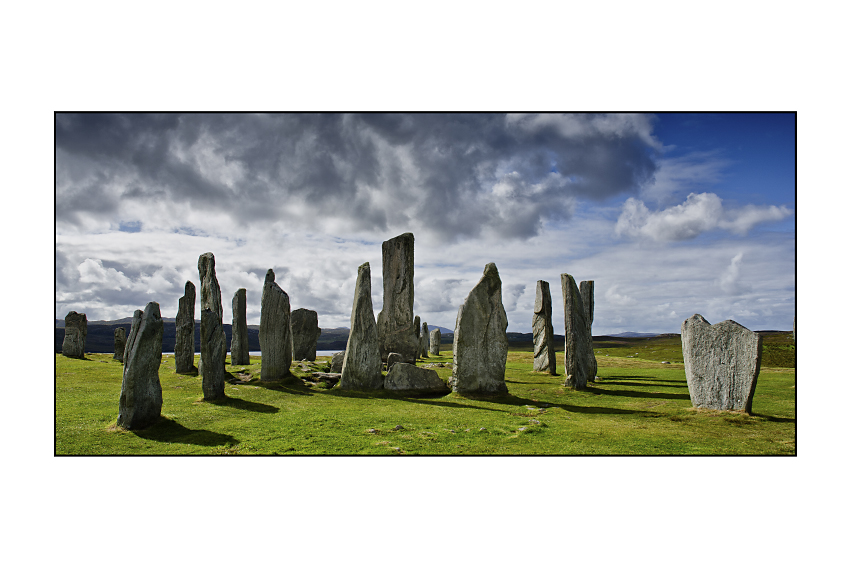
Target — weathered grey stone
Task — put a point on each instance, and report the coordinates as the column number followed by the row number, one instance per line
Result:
column 336, row 362
column 395, row 321
column 424, row 341
column 213, row 352
column 275, row 332
column 120, row 342
column 184, row 342
column 393, row 358
column 407, row 377
column 586, row 291
column 722, row 363
column 435, row 342
column 361, row 367
column 329, row 377
column 305, row 333
column 76, row 327
column 416, row 328
column 578, row 347
column 211, row 299
column 480, row 339
column 543, row 332
column 140, row 403
column 239, row 329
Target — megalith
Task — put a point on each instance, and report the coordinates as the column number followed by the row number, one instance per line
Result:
column 120, row 343
column 76, row 327
column 424, row 341
column 480, row 339
column 361, row 366
column 140, row 403
column 395, row 321
column 336, row 362
column 577, row 343
column 435, row 339
column 722, row 363
column 184, row 342
column 586, row 290
column 211, row 299
column 239, row 329
column 542, row 331
column 213, row 352
column 409, row 378
column 416, row 328
column 305, row 334
column 275, row 332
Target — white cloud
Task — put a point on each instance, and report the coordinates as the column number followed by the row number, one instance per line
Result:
column 730, row 281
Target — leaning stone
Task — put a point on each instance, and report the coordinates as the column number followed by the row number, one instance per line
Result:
column 213, row 351
column 184, row 342
column 435, row 342
column 407, row 377
column 586, row 291
column 543, row 332
column 275, row 332
column 361, row 367
column 577, row 342
column 211, row 299
column 336, row 361
column 722, row 364
column 393, row 358
column 120, row 343
column 424, row 341
column 140, row 403
column 480, row 339
column 76, row 327
column 305, row 334
column 395, row 321
column 239, row 330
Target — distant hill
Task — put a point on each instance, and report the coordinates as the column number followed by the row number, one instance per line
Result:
column 633, row 334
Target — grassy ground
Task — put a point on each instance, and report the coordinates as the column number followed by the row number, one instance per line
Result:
column 638, row 406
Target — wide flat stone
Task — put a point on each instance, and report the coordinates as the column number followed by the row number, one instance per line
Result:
column 406, row 377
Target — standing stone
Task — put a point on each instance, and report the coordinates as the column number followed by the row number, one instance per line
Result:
column 395, row 321
column 424, row 341
column 416, row 328
column 722, row 363
column 336, row 362
column 239, row 330
column 361, row 367
column 120, row 341
column 305, row 334
column 435, row 342
column 140, row 403
column 275, row 332
column 578, row 347
column 480, row 339
column 211, row 299
column 586, row 291
column 213, row 352
column 184, row 343
column 76, row 327
column 543, row 332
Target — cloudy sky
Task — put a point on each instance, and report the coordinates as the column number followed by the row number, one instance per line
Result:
column 670, row 214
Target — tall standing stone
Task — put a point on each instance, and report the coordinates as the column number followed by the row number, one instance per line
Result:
column 722, row 363
column 435, row 342
column 213, row 353
column 395, row 321
column 586, row 291
column 184, row 342
column 211, row 299
column 361, row 367
column 416, row 328
column 140, row 403
column 120, row 343
column 239, row 329
column 76, row 327
column 543, row 331
column 305, row 334
column 424, row 341
column 480, row 339
column 578, row 347
column 275, row 332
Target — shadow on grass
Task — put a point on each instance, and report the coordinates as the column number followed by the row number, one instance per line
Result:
column 509, row 399
column 169, row 431
column 290, row 387
column 645, row 384
column 447, row 404
column 625, row 377
column 775, row 419
column 635, row 394
column 244, row 405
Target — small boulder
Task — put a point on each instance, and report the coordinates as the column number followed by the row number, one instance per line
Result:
column 407, row 377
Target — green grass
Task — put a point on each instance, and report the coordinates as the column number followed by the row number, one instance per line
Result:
column 638, row 406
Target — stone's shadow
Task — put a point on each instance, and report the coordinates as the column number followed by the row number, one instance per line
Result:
column 169, row 431
column 246, row 405
column 632, row 394
column 647, row 384
column 509, row 399
column 619, row 377
column 443, row 403
column 775, row 419
column 290, row 387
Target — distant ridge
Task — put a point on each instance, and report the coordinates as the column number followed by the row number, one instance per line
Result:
column 632, row 334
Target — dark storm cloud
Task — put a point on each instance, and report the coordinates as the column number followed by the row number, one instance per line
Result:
column 455, row 175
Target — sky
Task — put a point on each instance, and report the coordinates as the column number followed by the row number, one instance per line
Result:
column 669, row 214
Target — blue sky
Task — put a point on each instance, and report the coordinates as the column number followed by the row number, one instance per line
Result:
column 670, row 214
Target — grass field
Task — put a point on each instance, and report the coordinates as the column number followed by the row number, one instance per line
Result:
column 638, row 406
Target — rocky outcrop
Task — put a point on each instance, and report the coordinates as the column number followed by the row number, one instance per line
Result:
column 578, row 346
column 239, row 329
column 184, row 343
column 395, row 321
column 435, row 342
column 480, row 339
column 76, row 327
column 120, row 343
column 140, row 403
column 586, row 291
column 361, row 367
column 275, row 332
column 424, row 341
column 211, row 300
column 543, row 331
column 722, row 363
column 408, row 378
column 305, row 334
